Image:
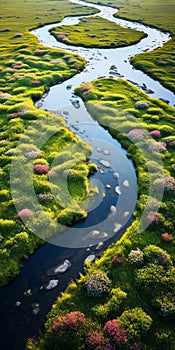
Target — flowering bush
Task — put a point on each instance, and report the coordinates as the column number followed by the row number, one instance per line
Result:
column 32, row 154
column 41, row 168
column 167, row 237
column 39, row 52
column 37, row 82
column 167, row 183
column 135, row 256
column 110, row 346
column 97, row 284
column 115, row 331
column 117, row 259
column 25, row 212
column 136, row 134
column 165, row 303
column 61, row 36
column 136, row 322
column 155, row 133
column 72, row 320
column 154, row 217
column 156, row 255
column 157, row 146
column 141, row 105
column 87, row 87
column 52, row 173
column 94, row 341
column 44, row 196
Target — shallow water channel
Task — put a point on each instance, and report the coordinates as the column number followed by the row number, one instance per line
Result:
column 18, row 323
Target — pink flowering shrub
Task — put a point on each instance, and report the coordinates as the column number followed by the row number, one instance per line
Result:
column 12, row 115
column 167, row 183
column 37, row 82
column 61, row 36
column 94, row 341
column 167, row 237
column 73, row 320
column 52, row 173
column 154, row 217
column 117, row 259
column 157, row 146
column 39, row 52
column 87, row 87
column 84, row 93
column 44, row 196
column 41, row 168
column 97, row 284
column 25, row 212
column 115, row 331
column 135, row 256
column 155, row 133
column 110, row 346
column 137, row 134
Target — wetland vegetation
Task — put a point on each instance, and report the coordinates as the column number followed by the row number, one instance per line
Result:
column 130, row 288
column 97, row 32
column 26, row 72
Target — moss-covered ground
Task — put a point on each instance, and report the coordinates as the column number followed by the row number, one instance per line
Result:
column 97, row 32
column 160, row 63
column 134, row 264
column 26, row 72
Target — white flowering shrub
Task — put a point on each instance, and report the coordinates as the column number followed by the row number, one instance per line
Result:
column 97, row 284
column 135, row 256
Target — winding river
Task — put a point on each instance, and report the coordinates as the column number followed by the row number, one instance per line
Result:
column 18, row 323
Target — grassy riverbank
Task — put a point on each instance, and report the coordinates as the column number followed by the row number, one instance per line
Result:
column 160, row 63
column 126, row 298
column 97, row 32
column 27, row 70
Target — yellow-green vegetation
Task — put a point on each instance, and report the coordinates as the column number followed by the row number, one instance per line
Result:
column 132, row 284
column 97, row 32
column 26, row 72
column 160, row 63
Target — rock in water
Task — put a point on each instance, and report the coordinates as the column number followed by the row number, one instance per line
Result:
column 18, row 303
column 63, row 267
column 59, row 268
column 112, row 211
column 51, row 285
column 99, row 246
column 116, row 175
column 117, row 190
column 104, row 163
column 35, row 309
column 125, row 215
column 117, row 227
column 126, row 184
column 90, row 258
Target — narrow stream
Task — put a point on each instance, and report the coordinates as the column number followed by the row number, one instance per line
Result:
column 18, row 323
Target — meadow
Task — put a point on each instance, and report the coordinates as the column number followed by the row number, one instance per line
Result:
column 125, row 299
column 160, row 63
column 27, row 70
column 96, row 32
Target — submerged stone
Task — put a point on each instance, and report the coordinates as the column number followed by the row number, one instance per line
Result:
column 117, row 190
column 104, row 163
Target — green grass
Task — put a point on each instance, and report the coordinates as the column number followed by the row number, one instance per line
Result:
column 97, row 32
column 114, row 103
column 27, row 70
column 160, row 63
